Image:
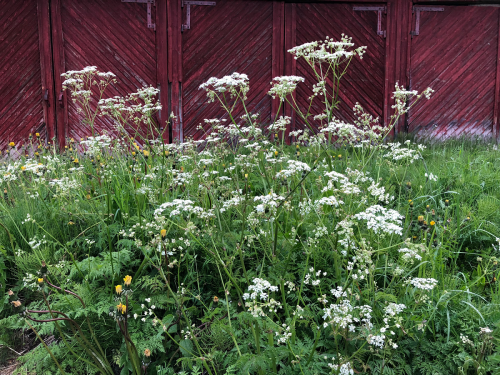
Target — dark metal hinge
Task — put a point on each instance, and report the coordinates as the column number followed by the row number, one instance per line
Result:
column 188, row 4
column 417, row 10
column 149, row 3
column 379, row 10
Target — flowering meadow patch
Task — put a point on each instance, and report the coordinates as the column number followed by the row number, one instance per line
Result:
column 339, row 253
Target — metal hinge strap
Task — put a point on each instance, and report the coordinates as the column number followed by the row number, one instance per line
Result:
column 148, row 3
column 188, row 4
column 417, row 10
column 379, row 10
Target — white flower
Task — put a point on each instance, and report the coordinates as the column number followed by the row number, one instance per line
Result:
column 381, row 220
column 283, row 86
column 236, row 85
column 424, row 284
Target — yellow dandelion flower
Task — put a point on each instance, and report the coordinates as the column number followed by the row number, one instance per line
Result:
column 37, row 134
column 12, row 144
column 163, row 233
column 420, row 218
column 432, row 223
column 275, row 153
column 146, row 153
column 118, row 289
column 216, row 299
column 147, row 352
column 127, row 280
column 23, row 168
column 16, row 303
column 40, row 280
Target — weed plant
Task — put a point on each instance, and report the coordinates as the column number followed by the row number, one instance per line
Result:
column 339, row 253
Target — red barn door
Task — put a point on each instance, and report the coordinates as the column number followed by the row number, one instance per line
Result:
column 232, row 36
column 365, row 79
column 111, row 35
column 454, row 53
column 22, row 83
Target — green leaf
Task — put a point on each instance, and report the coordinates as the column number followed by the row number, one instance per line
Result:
column 186, row 347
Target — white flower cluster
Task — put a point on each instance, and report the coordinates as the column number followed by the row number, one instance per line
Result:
column 344, row 315
column 95, row 145
column 283, row 86
column 329, row 50
column 237, row 85
column 403, row 98
column 393, row 309
column 260, row 289
column 343, row 369
column 409, row 255
column 285, row 335
column 294, row 168
column 280, row 125
column 424, row 284
column 270, row 201
column 64, row 186
column 396, row 152
column 381, row 220
column 184, row 206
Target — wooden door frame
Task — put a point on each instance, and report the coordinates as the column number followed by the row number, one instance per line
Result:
column 46, row 68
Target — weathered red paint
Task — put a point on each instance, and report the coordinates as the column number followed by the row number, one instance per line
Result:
column 233, row 36
column 40, row 39
column 455, row 53
column 21, row 90
column 364, row 81
column 114, row 37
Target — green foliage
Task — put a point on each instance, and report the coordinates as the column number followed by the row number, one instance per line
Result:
column 339, row 253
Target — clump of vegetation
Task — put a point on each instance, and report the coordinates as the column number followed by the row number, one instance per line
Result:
column 240, row 254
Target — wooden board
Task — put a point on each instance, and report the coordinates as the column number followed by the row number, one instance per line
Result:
column 233, row 36
column 21, row 108
column 455, row 54
column 365, row 79
column 108, row 34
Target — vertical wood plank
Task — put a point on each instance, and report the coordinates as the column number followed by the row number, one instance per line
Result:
column 174, row 49
column 389, row 63
column 59, row 68
column 45, row 46
column 278, row 53
column 290, row 62
column 496, row 122
column 162, row 65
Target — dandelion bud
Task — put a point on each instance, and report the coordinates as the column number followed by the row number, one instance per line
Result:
column 127, row 280
column 446, row 202
column 246, row 175
column 275, row 153
column 118, row 289
column 420, row 219
column 427, row 208
column 163, row 234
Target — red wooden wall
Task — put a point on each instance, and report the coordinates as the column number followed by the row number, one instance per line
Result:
column 456, row 52
column 23, row 82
